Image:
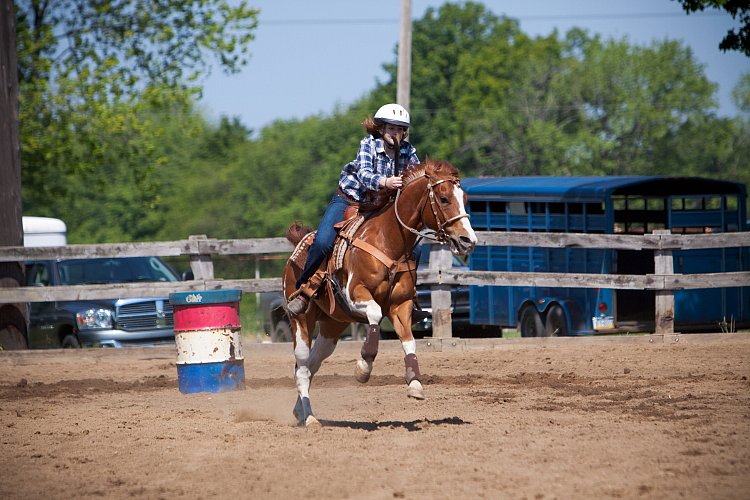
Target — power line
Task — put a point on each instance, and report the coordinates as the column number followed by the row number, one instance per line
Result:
column 642, row 15
column 566, row 17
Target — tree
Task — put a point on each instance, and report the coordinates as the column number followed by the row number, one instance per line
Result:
column 734, row 40
column 12, row 316
column 497, row 102
column 633, row 97
column 94, row 73
column 741, row 93
column 256, row 189
column 487, row 97
column 441, row 41
column 123, row 197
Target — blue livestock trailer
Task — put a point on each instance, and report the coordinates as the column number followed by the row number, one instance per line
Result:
column 604, row 205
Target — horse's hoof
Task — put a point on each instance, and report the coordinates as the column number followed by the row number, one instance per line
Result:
column 362, row 374
column 415, row 390
column 312, row 422
column 303, row 412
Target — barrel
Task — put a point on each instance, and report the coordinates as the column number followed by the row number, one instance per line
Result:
column 207, row 333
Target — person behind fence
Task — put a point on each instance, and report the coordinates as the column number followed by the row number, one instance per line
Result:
column 382, row 156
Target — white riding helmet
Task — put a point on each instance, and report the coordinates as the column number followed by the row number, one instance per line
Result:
column 395, row 114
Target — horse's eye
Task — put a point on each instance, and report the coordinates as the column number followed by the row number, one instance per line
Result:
column 444, row 200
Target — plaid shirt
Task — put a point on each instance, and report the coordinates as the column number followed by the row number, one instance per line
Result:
column 372, row 165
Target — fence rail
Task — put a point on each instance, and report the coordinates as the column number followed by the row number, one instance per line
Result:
column 201, row 249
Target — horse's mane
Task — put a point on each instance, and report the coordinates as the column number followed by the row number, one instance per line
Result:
column 432, row 168
column 413, row 172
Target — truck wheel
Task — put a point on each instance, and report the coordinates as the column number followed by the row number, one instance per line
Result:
column 11, row 338
column 282, row 332
column 556, row 324
column 70, row 341
column 12, row 328
column 530, row 323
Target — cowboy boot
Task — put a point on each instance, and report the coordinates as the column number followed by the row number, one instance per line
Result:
column 298, row 304
column 300, row 300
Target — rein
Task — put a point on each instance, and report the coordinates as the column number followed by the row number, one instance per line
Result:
column 440, row 234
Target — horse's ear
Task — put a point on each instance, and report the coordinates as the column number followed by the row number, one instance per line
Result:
column 437, row 165
column 427, row 163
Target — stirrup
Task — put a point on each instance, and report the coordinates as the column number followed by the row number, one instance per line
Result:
column 298, row 303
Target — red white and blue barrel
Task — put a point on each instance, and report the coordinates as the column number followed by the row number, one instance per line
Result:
column 207, row 333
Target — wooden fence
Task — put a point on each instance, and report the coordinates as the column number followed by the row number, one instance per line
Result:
column 439, row 275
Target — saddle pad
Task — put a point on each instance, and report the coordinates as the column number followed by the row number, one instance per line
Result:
column 299, row 255
column 342, row 242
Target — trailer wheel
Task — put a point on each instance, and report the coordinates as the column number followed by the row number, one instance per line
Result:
column 556, row 324
column 530, row 323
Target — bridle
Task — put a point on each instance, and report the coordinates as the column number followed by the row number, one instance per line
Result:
column 437, row 211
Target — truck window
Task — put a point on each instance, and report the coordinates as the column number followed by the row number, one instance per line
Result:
column 37, row 274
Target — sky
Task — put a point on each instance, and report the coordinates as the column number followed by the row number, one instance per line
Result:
column 311, row 56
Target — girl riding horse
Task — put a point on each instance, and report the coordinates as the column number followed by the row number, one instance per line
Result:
column 375, row 276
column 381, row 156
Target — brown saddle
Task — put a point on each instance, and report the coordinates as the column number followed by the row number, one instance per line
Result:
column 348, row 226
column 347, row 229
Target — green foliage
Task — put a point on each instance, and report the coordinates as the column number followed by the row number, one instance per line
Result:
column 123, row 198
column 630, row 98
column 92, row 74
column 741, row 93
column 144, row 165
column 733, row 40
column 257, row 188
column 441, row 43
column 497, row 102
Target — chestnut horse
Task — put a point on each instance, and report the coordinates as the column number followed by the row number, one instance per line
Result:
column 376, row 275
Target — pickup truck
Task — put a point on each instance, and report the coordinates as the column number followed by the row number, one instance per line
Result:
column 99, row 323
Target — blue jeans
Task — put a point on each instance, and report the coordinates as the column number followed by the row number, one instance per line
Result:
column 324, row 238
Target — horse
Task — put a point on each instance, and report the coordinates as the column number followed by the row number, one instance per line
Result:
column 372, row 273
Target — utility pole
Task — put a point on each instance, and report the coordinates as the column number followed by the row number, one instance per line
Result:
column 404, row 56
column 13, row 317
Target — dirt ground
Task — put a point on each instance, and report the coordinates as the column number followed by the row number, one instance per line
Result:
column 636, row 417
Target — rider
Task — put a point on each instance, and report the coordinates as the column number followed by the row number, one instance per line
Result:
column 373, row 169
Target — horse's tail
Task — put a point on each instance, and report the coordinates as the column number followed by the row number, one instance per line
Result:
column 296, row 232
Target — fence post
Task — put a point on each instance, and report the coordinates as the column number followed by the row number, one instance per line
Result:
column 663, row 266
column 201, row 264
column 440, row 296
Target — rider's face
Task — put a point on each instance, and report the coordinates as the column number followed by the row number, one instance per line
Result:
column 393, row 134
column 394, row 130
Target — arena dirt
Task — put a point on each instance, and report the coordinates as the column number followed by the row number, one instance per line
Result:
column 640, row 418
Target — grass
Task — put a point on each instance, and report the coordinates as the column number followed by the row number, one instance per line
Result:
column 252, row 323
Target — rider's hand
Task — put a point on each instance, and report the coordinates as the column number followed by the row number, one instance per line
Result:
column 394, row 182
